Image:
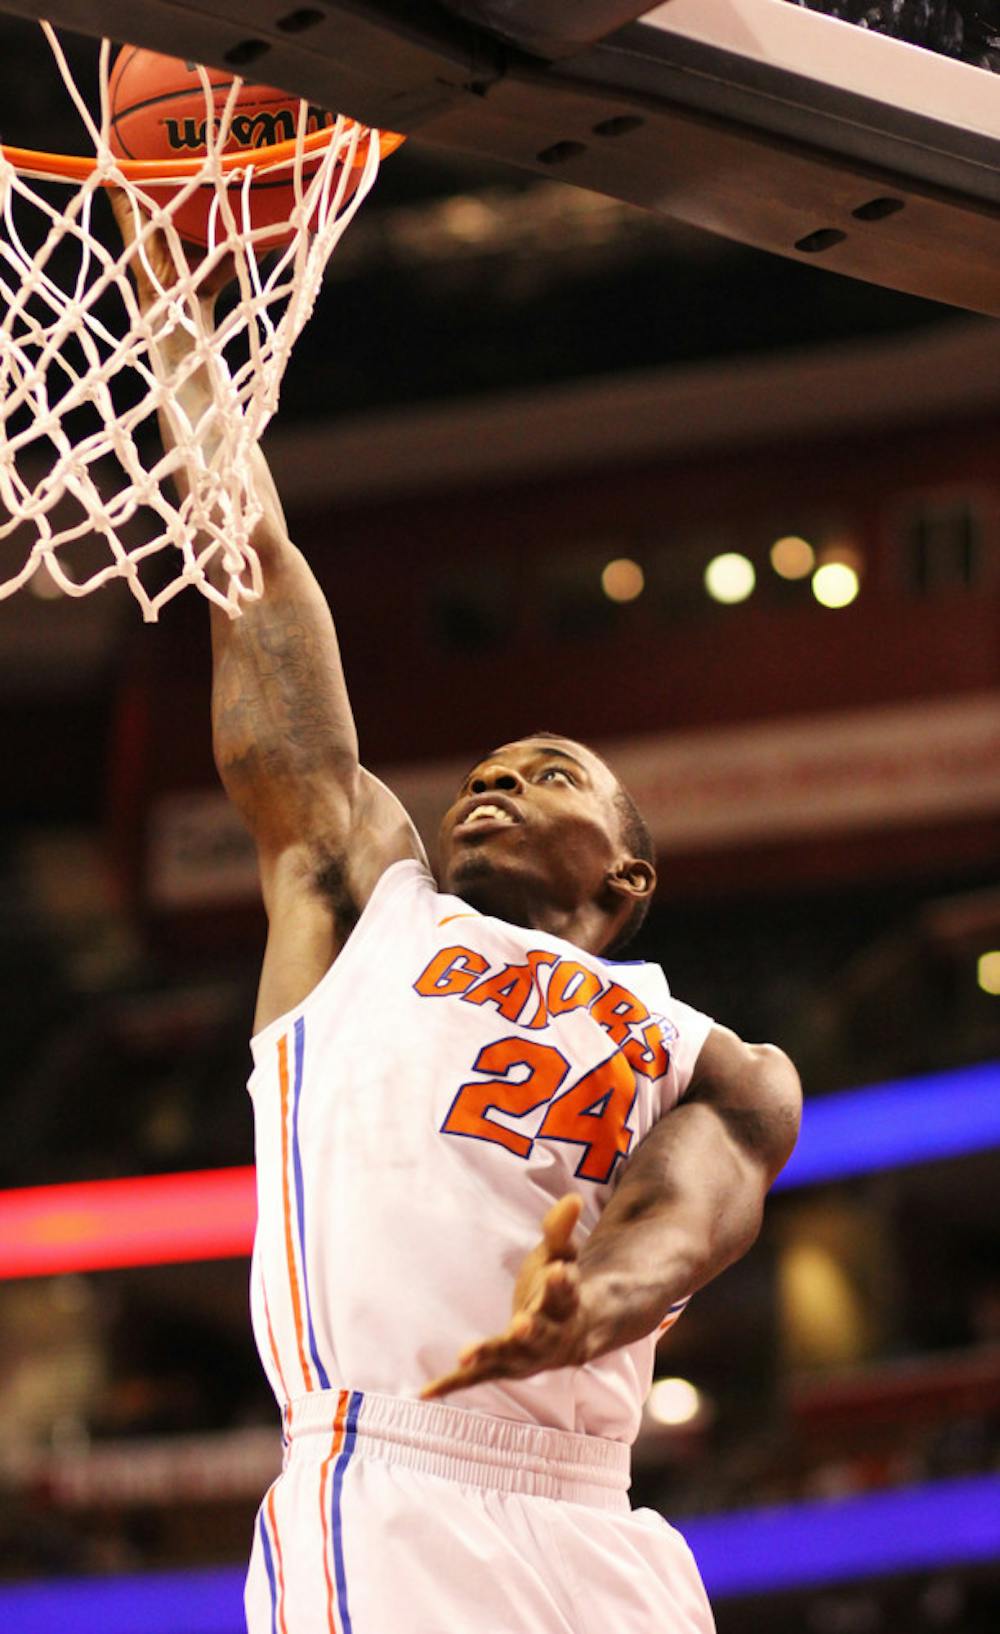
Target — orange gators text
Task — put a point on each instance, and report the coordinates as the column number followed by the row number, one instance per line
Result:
column 594, row 1111
column 521, row 994
column 509, row 989
column 453, row 970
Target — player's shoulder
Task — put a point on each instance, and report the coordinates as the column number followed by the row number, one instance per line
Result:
column 728, row 1058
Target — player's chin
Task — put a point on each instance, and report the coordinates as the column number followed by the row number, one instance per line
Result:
column 487, row 877
column 469, row 852
column 467, row 863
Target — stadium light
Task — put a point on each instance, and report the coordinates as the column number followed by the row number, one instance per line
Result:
column 623, row 580
column 792, row 557
column 730, row 578
column 674, row 1402
column 988, row 972
column 835, row 584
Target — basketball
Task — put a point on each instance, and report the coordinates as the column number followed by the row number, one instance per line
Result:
column 159, row 111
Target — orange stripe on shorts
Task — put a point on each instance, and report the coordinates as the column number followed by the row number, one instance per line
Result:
column 324, row 1508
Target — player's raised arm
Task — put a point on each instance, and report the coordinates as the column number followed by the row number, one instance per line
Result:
column 287, row 752
column 283, row 730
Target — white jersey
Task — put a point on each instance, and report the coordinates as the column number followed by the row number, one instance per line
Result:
column 449, row 1078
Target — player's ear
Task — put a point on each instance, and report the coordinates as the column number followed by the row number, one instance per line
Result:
column 632, row 877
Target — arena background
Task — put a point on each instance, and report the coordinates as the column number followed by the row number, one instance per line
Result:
column 524, row 422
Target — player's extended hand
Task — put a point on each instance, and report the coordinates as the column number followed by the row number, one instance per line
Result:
column 157, row 270
column 547, row 1326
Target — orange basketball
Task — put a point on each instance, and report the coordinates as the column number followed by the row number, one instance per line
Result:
column 158, row 111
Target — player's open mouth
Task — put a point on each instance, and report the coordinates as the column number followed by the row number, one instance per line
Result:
column 485, row 814
column 480, row 815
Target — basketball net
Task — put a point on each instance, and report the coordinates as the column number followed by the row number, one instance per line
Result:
column 84, row 490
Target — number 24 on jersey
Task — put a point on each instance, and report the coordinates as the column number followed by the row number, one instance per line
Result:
column 524, row 1075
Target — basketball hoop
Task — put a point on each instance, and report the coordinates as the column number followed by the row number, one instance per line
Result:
column 84, row 369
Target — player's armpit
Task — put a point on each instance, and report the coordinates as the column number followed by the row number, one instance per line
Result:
column 283, row 730
column 316, row 887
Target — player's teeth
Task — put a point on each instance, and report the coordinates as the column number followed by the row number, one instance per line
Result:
column 489, row 811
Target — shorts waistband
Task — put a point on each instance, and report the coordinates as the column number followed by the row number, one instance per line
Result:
column 469, row 1448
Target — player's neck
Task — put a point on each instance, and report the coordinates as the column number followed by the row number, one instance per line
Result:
column 585, row 925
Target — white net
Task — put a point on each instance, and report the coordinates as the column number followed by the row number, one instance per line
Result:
column 86, row 494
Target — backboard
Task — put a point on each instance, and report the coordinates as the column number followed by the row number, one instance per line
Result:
column 755, row 119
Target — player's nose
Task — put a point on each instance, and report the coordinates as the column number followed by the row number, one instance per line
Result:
column 497, row 776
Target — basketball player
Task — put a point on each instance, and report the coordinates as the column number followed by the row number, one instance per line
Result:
column 493, row 1163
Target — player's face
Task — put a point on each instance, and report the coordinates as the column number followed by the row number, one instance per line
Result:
column 534, row 832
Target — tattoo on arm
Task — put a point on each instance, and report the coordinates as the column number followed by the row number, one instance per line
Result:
column 281, row 716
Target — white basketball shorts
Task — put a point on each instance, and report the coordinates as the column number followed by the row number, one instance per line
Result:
column 410, row 1517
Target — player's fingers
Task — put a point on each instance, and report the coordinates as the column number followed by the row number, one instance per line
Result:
column 213, row 275
column 444, row 1386
column 560, row 1295
column 121, row 209
column 129, row 210
column 507, row 1358
column 520, row 1348
column 505, row 1346
column 559, row 1225
column 150, row 264
column 484, row 1362
column 530, row 1343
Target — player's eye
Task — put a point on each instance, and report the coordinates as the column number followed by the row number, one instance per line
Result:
column 556, row 771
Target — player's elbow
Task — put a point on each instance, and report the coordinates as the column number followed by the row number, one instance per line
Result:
column 782, row 1097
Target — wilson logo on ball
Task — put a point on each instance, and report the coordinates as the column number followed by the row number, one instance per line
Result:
column 257, row 130
column 160, row 110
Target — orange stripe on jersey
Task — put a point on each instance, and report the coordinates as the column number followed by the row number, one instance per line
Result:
column 674, row 1314
column 324, row 1508
column 274, row 1349
column 280, row 1562
column 449, row 917
column 293, row 1278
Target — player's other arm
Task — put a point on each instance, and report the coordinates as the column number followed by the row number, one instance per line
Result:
column 691, row 1198
column 690, row 1202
